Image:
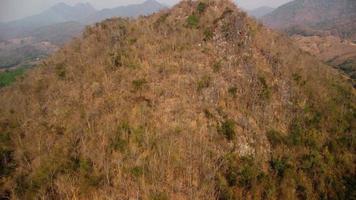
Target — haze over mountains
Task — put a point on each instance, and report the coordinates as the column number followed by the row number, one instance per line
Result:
column 56, row 26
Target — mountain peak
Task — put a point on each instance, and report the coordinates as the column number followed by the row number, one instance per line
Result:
column 85, row 5
column 151, row 2
column 60, row 6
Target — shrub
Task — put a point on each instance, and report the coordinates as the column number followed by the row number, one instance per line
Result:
column 201, row 7
column 227, row 129
column 119, row 144
column 60, row 71
column 224, row 191
column 137, row 171
column 266, row 92
column 193, row 21
column 296, row 133
column 6, row 162
column 279, row 165
column 132, row 41
column 248, row 172
column 87, row 175
column 233, row 91
column 138, row 84
column 208, row 34
column 311, row 162
column 275, row 138
column 217, row 66
column 298, row 79
column 204, row 82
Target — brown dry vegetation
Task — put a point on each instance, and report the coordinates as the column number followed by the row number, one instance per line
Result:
column 332, row 50
column 196, row 102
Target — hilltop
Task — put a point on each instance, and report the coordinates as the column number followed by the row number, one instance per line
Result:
column 195, row 102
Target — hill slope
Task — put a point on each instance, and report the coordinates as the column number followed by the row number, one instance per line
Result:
column 309, row 16
column 332, row 50
column 197, row 102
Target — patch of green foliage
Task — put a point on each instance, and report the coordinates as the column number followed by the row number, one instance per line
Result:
column 275, row 138
column 193, row 21
column 139, row 84
column 208, row 34
column 227, row 129
column 204, row 82
column 201, row 7
column 242, row 172
column 137, row 171
column 217, row 66
column 266, row 91
column 279, row 165
column 232, row 91
column 60, row 71
column 8, row 77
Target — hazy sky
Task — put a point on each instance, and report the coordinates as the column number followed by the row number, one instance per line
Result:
column 14, row 9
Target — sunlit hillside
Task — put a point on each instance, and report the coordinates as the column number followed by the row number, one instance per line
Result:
column 194, row 102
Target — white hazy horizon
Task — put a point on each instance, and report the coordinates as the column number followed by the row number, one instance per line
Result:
column 17, row 9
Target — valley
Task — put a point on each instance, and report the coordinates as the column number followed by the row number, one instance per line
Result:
column 324, row 28
column 27, row 41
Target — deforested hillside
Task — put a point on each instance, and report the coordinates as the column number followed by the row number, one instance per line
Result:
column 196, row 102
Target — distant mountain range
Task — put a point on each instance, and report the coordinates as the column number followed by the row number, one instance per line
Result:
column 260, row 12
column 59, row 13
column 324, row 28
column 310, row 17
column 82, row 13
column 134, row 10
column 55, row 26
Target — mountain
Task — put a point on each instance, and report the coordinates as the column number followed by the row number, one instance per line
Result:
column 260, row 12
column 54, row 27
column 195, row 102
column 324, row 28
column 134, row 10
column 82, row 13
column 335, row 17
column 59, row 13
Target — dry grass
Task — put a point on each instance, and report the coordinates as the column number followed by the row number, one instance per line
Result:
column 117, row 114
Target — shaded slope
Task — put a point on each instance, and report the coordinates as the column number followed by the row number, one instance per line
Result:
column 198, row 102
